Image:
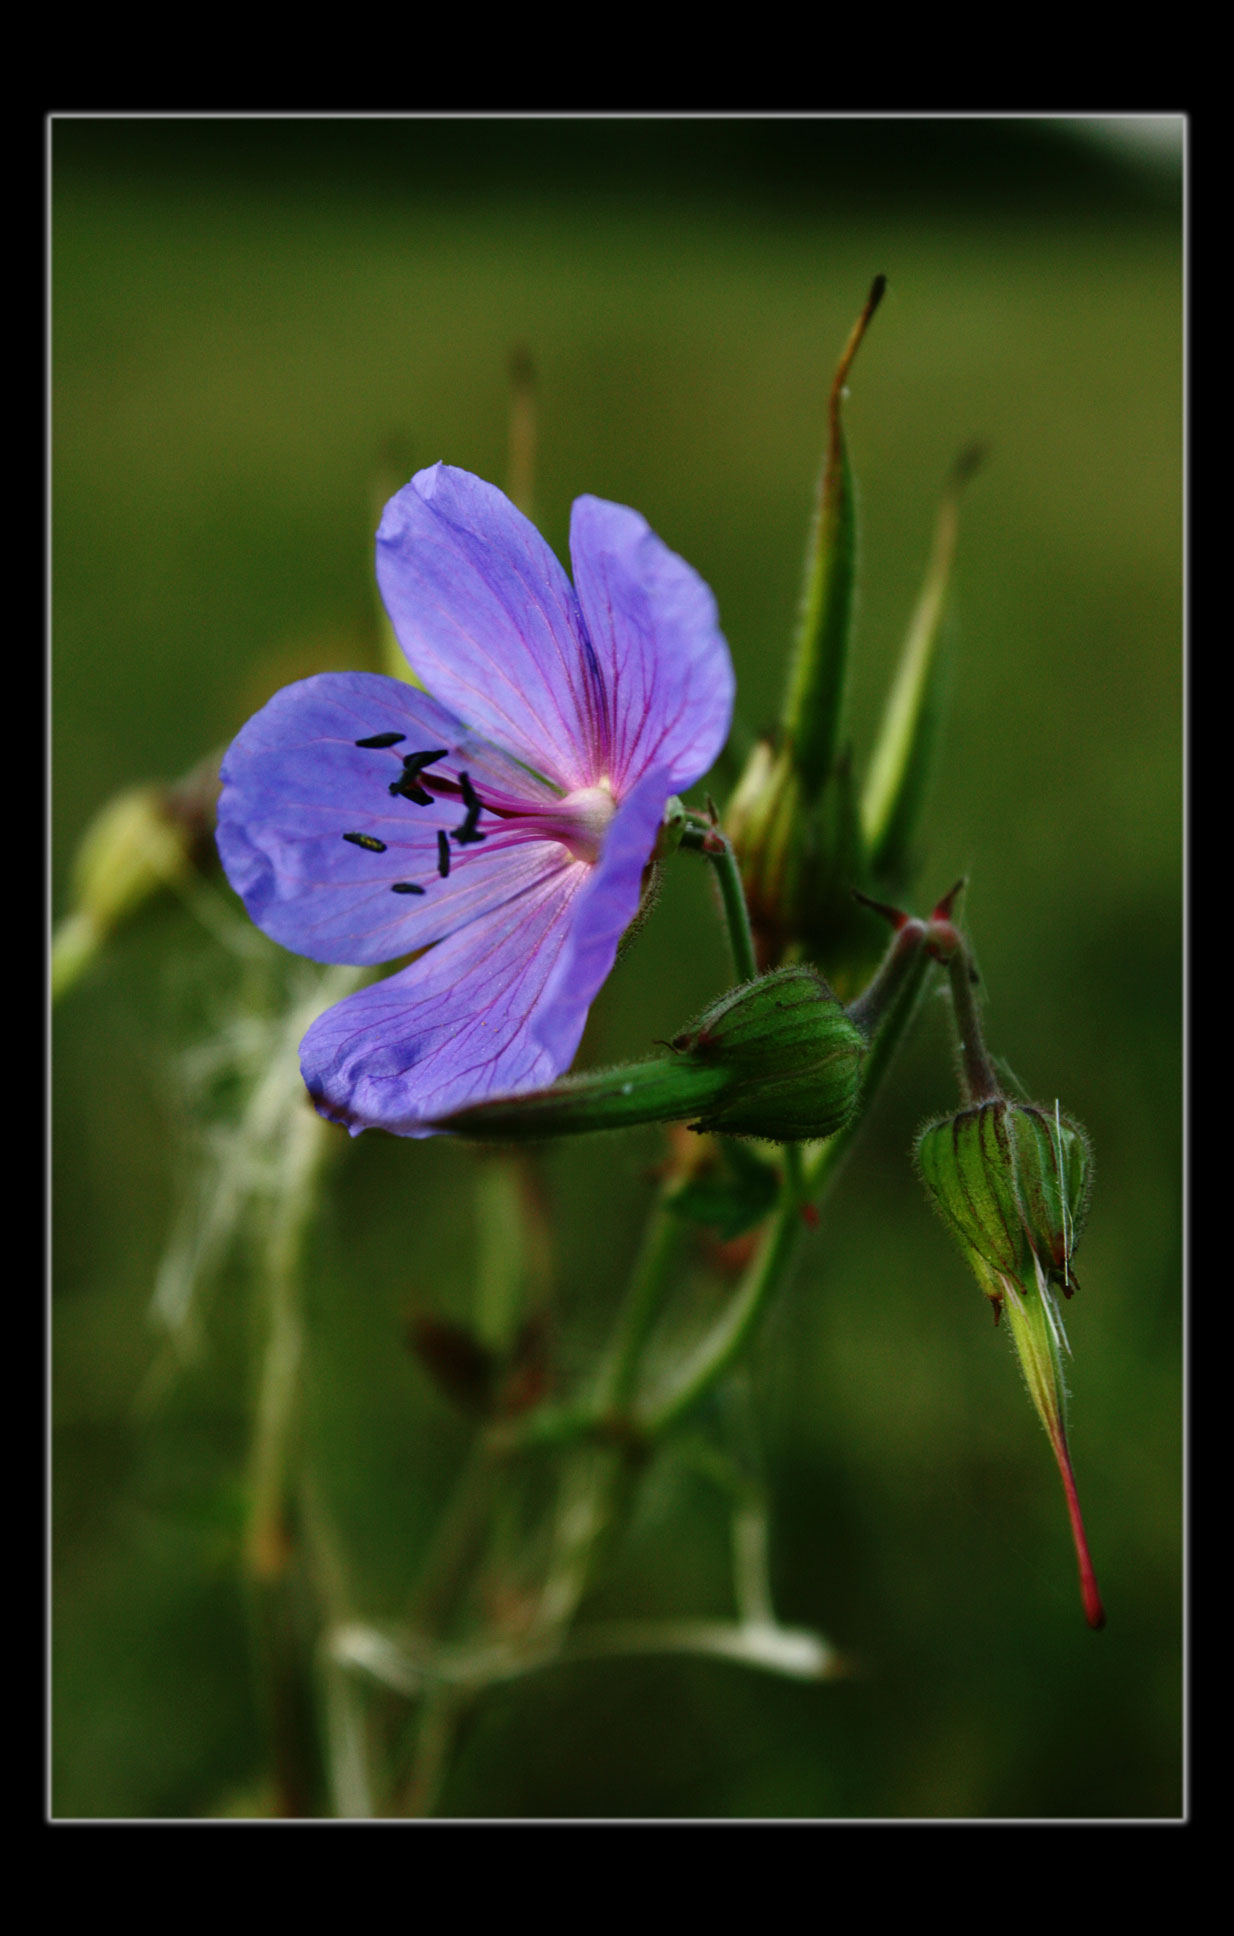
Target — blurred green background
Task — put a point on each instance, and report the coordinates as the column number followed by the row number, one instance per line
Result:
column 245, row 315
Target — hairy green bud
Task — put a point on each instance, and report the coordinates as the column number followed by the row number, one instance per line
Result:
column 1011, row 1182
column 793, row 1058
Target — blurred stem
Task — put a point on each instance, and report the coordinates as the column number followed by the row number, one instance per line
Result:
column 76, row 941
column 455, row 1545
column 594, row 1495
column 344, row 1731
column 284, row 1618
column 350, row 1792
column 442, row 1714
column 805, row 1180
column 730, row 1336
column 661, row 1248
column 502, row 1266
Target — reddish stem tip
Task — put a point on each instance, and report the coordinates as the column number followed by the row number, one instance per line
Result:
column 943, row 911
column 896, row 916
column 1094, row 1612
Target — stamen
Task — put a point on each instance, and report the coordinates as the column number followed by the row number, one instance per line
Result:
column 383, row 739
column 443, row 854
column 405, row 887
column 413, row 765
column 409, row 789
column 369, row 842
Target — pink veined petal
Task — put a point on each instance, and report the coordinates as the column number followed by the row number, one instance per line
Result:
column 603, row 910
column 295, row 784
column 662, row 659
column 453, row 1027
column 489, row 620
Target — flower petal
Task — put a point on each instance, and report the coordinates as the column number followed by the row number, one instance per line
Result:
column 454, row 1026
column 600, row 916
column 297, row 782
column 489, row 621
column 662, row 658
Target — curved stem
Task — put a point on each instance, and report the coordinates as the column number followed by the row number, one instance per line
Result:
column 804, row 1181
column 661, row 1247
column 705, row 837
column 726, row 1341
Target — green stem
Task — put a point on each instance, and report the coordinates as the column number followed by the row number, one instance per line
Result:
column 442, row 1714
column 804, row 1181
column 824, row 1165
column 980, row 1078
column 727, row 1340
column 706, row 838
column 661, row 1248
column 278, row 1579
column 76, row 941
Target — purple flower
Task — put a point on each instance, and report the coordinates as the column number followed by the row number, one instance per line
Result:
column 503, row 824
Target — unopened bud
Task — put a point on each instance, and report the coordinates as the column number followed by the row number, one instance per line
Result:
column 137, row 844
column 793, row 1057
column 133, row 847
column 1011, row 1181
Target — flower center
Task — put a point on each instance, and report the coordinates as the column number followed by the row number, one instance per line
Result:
column 581, row 821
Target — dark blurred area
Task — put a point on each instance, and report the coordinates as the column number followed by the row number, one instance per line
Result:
column 991, row 166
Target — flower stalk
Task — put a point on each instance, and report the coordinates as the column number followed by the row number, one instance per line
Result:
column 286, row 1620
column 1010, row 1180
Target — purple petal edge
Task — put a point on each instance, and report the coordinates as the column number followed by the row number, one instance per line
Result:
column 451, row 1028
column 657, row 646
column 604, row 910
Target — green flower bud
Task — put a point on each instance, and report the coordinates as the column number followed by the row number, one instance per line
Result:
column 1011, row 1182
column 131, row 848
column 1053, row 1174
column 140, row 842
column 792, row 1055
column 798, row 858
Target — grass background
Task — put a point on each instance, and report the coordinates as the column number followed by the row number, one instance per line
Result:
column 244, row 316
